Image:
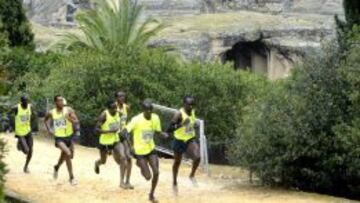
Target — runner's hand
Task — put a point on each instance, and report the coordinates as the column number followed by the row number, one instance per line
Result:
column 165, row 135
column 125, row 136
column 186, row 121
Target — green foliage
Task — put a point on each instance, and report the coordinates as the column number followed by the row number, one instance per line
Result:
column 305, row 132
column 352, row 18
column 19, row 61
column 4, row 49
column 3, row 37
column 87, row 79
column 2, row 170
column 111, row 29
column 16, row 24
column 352, row 12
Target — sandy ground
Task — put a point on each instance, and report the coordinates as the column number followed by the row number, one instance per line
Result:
column 38, row 186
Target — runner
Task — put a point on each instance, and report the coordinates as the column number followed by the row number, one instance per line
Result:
column 182, row 125
column 108, row 126
column 25, row 123
column 143, row 127
column 62, row 119
column 122, row 147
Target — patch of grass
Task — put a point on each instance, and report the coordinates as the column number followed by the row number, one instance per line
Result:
column 192, row 26
column 45, row 37
column 239, row 21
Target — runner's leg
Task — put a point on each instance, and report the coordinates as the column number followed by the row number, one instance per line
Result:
column 119, row 156
column 129, row 165
column 57, row 166
column 67, row 156
column 102, row 160
column 23, row 146
column 194, row 153
column 72, row 149
column 154, row 164
column 29, row 142
column 144, row 168
column 175, row 170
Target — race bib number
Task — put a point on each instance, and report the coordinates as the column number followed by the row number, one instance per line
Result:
column 113, row 126
column 189, row 129
column 147, row 135
column 24, row 118
column 123, row 119
column 60, row 123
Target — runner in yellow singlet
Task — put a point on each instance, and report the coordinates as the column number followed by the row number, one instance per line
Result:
column 24, row 121
column 122, row 146
column 62, row 121
column 108, row 126
column 144, row 127
column 183, row 127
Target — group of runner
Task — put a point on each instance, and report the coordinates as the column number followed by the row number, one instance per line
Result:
column 119, row 136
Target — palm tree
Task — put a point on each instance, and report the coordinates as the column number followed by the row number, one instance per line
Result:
column 110, row 27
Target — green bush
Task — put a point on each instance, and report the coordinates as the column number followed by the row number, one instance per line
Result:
column 87, row 79
column 19, row 61
column 305, row 132
column 3, row 50
column 2, row 170
column 16, row 24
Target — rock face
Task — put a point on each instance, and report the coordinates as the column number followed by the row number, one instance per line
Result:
column 277, row 6
column 53, row 12
column 263, row 43
column 265, row 36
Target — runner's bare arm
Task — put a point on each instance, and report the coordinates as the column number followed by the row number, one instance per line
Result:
column 72, row 116
column 34, row 120
column 175, row 123
column 48, row 117
column 11, row 115
column 129, row 111
column 99, row 122
column 164, row 135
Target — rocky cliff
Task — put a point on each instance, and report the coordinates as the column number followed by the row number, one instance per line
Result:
column 268, row 36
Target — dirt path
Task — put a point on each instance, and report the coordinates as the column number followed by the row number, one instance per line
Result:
column 38, row 186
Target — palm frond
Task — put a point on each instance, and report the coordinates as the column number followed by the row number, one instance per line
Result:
column 110, row 27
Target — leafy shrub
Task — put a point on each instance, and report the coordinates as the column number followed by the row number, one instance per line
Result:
column 2, row 170
column 111, row 28
column 305, row 132
column 16, row 24
column 87, row 79
column 19, row 61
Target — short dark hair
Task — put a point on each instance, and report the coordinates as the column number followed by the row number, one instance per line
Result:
column 23, row 98
column 56, row 97
column 187, row 97
column 147, row 103
column 110, row 102
column 116, row 93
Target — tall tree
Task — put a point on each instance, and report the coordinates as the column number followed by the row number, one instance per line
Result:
column 2, row 169
column 352, row 17
column 352, row 12
column 15, row 23
column 111, row 27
